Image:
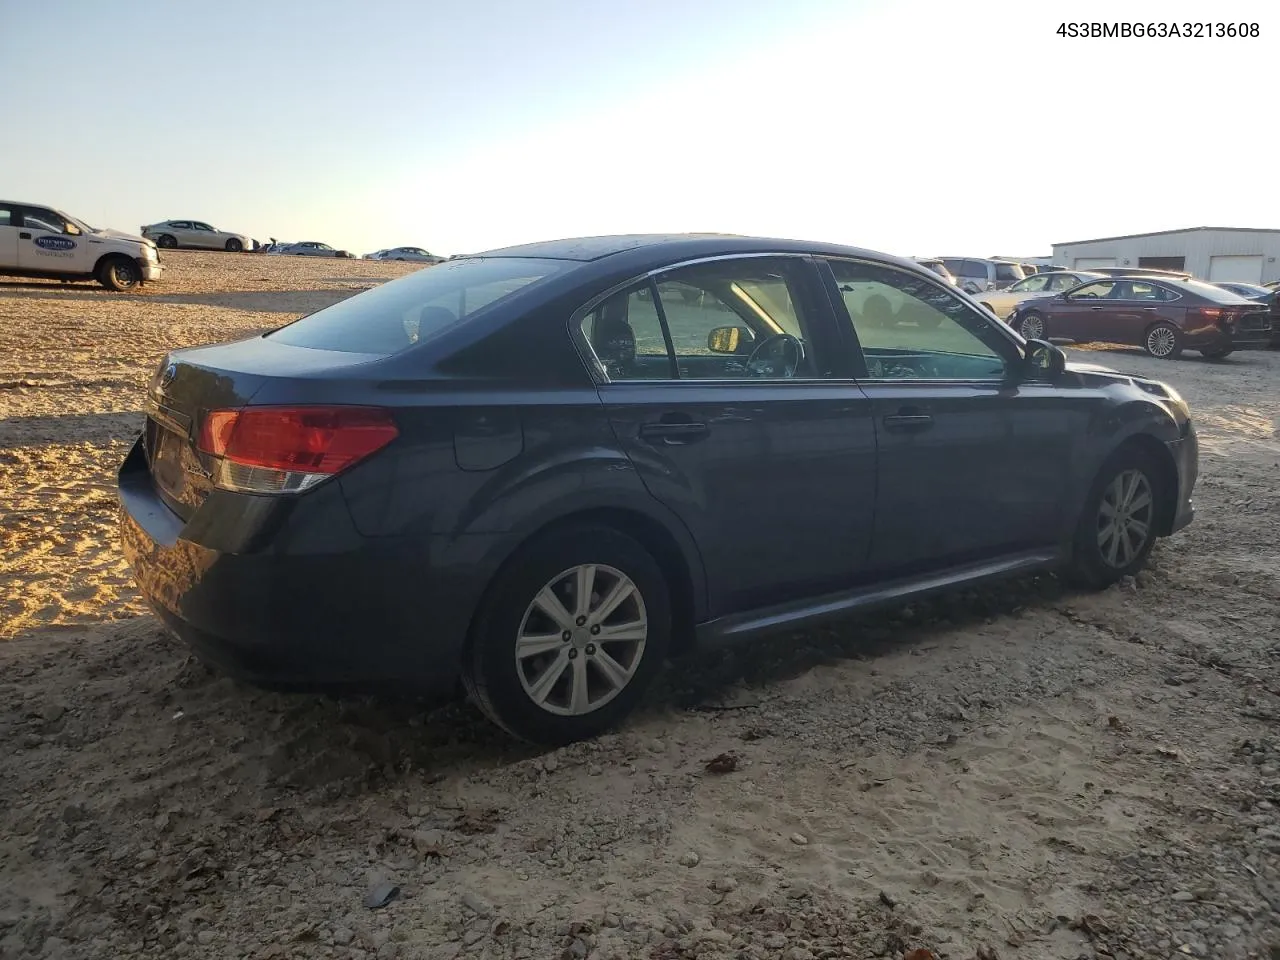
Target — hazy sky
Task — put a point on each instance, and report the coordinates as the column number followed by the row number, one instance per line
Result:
column 912, row 127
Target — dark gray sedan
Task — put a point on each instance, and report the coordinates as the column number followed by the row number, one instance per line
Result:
column 542, row 470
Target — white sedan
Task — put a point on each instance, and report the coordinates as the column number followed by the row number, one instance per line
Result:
column 195, row 234
column 1003, row 302
column 311, row 248
column 415, row 254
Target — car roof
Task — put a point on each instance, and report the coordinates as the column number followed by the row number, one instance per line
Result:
column 660, row 247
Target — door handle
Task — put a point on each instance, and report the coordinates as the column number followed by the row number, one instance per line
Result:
column 670, row 430
column 24, row 236
column 1150, row 309
column 907, row 420
column 1095, row 308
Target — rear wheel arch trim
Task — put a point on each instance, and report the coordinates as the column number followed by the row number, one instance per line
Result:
column 664, row 537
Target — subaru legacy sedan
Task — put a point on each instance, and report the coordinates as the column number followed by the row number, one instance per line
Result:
column 542, row 470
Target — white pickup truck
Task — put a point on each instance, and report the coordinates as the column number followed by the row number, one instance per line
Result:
column 37, row 241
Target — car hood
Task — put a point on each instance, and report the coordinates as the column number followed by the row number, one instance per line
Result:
column 121, row 235
column 1093, row 368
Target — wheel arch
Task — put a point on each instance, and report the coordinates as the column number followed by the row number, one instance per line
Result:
column 1167, row 478
column 674, row 552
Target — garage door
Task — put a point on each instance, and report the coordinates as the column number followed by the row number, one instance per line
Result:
column 1237, row 269
column 1092, row 263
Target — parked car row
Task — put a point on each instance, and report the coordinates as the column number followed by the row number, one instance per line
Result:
column 198, row 235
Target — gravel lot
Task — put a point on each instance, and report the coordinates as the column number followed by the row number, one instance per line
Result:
column 1013, row 772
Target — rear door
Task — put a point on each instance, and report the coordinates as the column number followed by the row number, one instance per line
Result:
column 1134, row 306
column 49, row 242
column 972, row 464
column 719, row 383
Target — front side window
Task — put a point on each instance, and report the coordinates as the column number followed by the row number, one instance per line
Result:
column 1098, row 290
column 38, row 219
column 416, row 308
column 728, row 320
column 912, row 329
column 1031, row 284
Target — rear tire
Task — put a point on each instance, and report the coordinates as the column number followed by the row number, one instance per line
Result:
column 119, row 273
column 167, row 241
column 1163, row 341
column 234, row 246
column 1217, row 353
column 1117, row 525
column 585, row 685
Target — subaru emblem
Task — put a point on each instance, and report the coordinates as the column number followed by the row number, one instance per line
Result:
column 170, row 372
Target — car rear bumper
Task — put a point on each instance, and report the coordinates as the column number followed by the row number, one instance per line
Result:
column 1186, row 458
column 340, row 611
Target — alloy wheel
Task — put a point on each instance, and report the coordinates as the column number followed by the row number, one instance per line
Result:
column 1161, row 341
column 581, row 640
column 1032, row 327
column 1125, row 518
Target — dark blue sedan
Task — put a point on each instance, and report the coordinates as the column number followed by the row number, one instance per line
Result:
column 544, row 469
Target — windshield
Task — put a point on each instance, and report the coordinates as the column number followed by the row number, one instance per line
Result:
column 413, row 309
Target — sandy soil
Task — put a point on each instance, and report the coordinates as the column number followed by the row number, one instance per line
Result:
column 1014, row 772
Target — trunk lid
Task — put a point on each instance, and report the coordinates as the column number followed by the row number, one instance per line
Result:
column 190, row 383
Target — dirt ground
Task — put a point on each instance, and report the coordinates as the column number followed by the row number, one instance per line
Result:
column 1013, row 772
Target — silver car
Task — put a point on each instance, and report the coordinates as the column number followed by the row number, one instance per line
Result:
column 196, row 235
column 415, row 254
column 311, row 248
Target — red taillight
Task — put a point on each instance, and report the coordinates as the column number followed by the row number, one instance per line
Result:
column 307, row 440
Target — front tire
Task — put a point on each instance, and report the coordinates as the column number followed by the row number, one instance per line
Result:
column 608, row 596
column 1163, row 341
column 119, row 274
column 1031, row 326
column 1117, row 526
column 234, row 246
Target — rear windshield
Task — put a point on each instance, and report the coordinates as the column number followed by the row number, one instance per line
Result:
column 404, row 312
column 1206, row 290
column 1009, row 272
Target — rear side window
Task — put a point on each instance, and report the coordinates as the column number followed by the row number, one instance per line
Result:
column 1009, row 272
column 413, row 309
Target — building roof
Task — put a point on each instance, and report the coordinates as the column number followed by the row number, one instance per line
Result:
column 1165, row 233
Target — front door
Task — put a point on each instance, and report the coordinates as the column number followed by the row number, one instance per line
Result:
column 971, row 464
column 203, row 235
column 720, row 389
column 48, row 241
column 1080, row 316
column 8, row 237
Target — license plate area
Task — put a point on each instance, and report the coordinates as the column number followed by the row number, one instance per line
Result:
column 175, row 468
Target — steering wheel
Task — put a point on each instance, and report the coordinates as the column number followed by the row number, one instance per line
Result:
column 778, row 356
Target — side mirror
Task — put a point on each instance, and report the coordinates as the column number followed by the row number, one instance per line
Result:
column 1044, row 361
column 729, row 339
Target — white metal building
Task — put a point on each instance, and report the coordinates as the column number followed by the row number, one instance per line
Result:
column 1241, row 254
